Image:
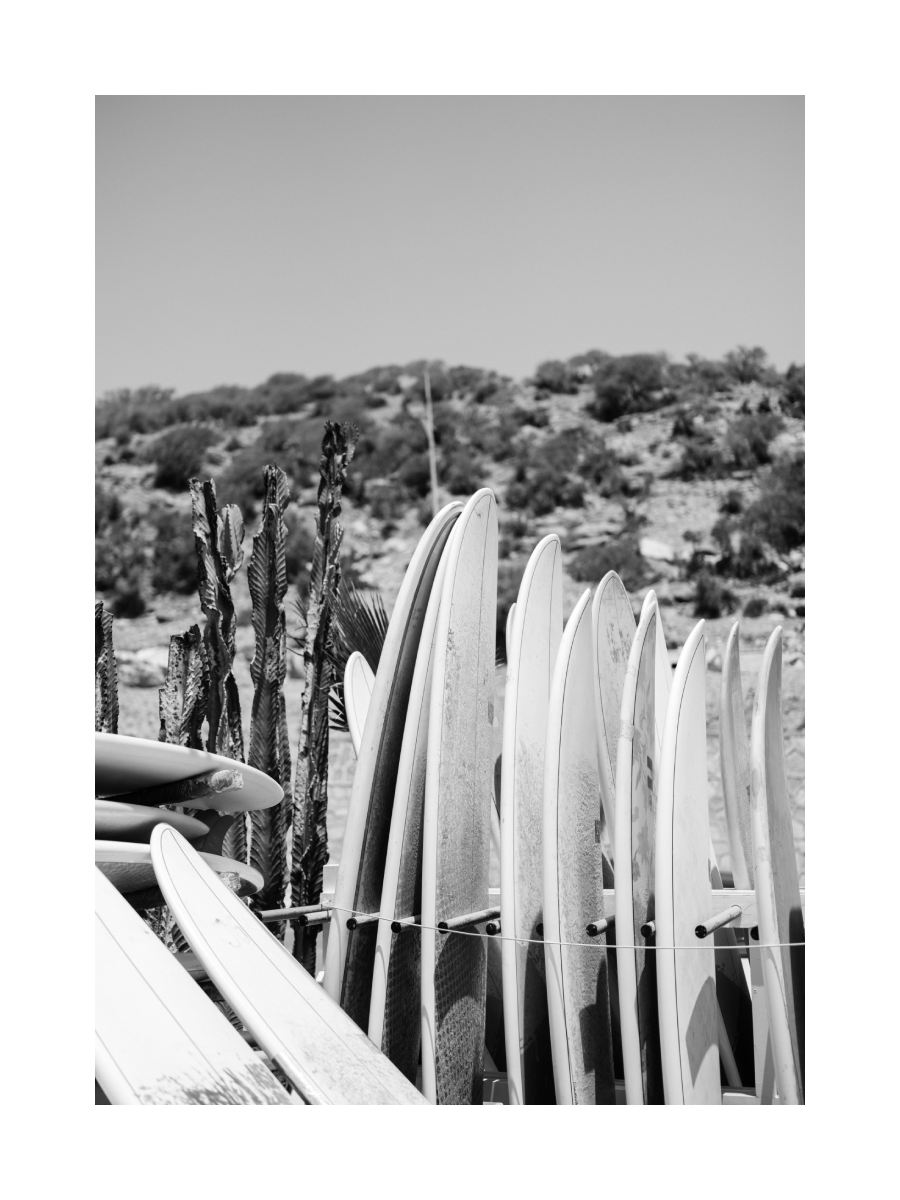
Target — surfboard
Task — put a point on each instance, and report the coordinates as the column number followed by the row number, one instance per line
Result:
column 122, row 822
column 734, row 747
column 125, row 764
column 577, row 974
column 321, row 1050
column 359, row 680
column 350, row 955
column 637, row 777
column 613, row 629
column 395, row 1019
column 532, row 644
column 158, row 1039
column 128, row 867
column 777, row 882
column 457, row 810
column 686, row 978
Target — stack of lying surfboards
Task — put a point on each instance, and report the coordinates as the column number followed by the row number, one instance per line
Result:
column 135, row 778
column 652, row 983
column 612, row 966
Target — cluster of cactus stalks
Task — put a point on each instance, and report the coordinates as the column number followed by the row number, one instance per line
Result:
column 200, row 686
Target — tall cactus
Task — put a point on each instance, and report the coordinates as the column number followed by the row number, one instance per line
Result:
column 106, row 684
column 219, row 557
column 309, row 850
column 184, row 697
column 269, row 744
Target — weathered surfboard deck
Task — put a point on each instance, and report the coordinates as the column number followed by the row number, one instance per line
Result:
column 577, row 975
column 118, row 821
column 359, row 680
column 686, row 978
column 321, row 1050
column 457, row 816
column 613, row 629
column 532, row 645
column 777, row 882
column 395, row 1016
column 129, row 868
column 158, row 1039
column 734, row 745
column 350, row 955
column 637, row 777
column 126, row 764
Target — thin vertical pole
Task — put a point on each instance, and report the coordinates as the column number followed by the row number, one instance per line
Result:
column 432, row 456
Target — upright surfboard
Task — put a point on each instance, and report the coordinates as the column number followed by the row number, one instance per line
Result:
column 350, row 956
column 395, row 1017
column 613, row 628
column 321, row 1050
column 457, row 812
column 686, row 978
column 577, row 969
column 777, row 882
column 158, row 1039
column 531, row 648
column 359, row 681
column 734, row 747
column 637, row 778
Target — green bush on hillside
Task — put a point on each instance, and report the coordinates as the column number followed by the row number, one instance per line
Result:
column 711, row 597
column 557, row 377
column 179, row 454
column 174, row 551
column 621, row 555
column 632, row 383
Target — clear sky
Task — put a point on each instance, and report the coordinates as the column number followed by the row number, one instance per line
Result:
column 240, row 236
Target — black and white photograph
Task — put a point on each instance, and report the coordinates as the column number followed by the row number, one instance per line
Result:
column 450, row 609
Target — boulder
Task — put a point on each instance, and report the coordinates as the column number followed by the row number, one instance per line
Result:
column 651, row 548
column 142, row 668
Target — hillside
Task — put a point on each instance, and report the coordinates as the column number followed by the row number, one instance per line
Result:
column 685, row 477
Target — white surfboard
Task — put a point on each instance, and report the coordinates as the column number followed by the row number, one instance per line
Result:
column 577, row 967
column 457, row 812
column 637, row 778
column 686, row 978
column 158, row 1039
column 321, row 1050
column 119, row 821
column 359, row 680
column 736, row 788
column 129, row 868
column 613, row 628
column 777, row 882
column 127, row 764
column 350, row 954
column 395, row 1018
column 532, row 643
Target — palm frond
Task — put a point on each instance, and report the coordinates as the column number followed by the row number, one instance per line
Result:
column 359, row 622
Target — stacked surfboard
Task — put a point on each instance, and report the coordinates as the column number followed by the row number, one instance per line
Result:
column 613, row 966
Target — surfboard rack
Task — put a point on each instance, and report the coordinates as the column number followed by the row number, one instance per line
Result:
column 474, row 918
column 363, row 919
column 406, row 923
column 311, row 914
column 601, row 926
column 725, row 917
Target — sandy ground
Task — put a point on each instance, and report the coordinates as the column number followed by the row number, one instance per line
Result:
column 139, row 713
